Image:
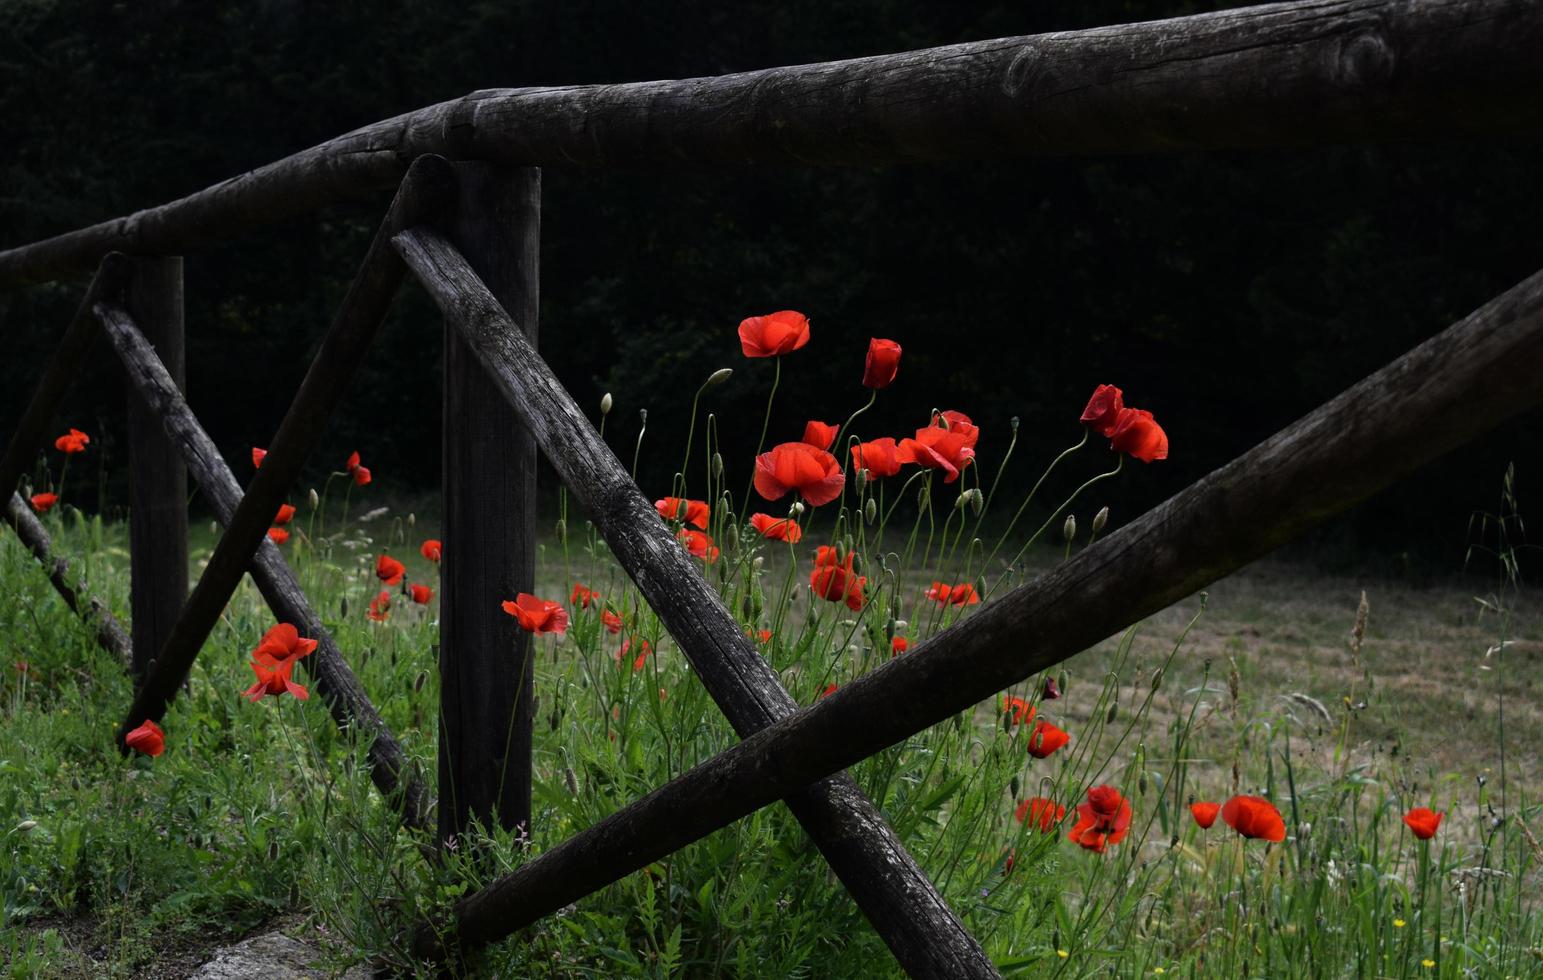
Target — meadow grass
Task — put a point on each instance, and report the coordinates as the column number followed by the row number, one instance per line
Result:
column 262, row 813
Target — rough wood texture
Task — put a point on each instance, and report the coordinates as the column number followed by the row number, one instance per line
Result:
column 92, row 611
column 36, row 425
column 1271, row 75
column 158, row 482
column 489, row 498
column 426, row 191
column 1439, row 395
column 159, row 395
column 884, row 880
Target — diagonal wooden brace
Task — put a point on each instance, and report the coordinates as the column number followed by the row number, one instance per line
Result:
column 31, row 434
column 904, row 907
column 426, row 191
column 92, row 611
column 393, row 773
column 1443, row 393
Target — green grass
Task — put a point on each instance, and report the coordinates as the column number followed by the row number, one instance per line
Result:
column 262, row 813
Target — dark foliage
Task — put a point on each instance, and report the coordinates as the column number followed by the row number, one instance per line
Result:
column 1229, row 293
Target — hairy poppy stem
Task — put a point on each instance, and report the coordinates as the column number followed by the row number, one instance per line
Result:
column 1030, row 498
column 765, row 425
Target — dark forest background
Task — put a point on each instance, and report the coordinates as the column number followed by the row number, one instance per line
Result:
column 1227, row 292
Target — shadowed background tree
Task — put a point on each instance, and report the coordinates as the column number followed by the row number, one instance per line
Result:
column 1227, row 292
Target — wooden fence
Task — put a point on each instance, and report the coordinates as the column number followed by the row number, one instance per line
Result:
column 468, row 231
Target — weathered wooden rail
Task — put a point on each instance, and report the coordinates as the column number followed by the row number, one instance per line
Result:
column 1274, row 75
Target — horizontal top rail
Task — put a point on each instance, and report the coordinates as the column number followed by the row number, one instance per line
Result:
column 1283, row 74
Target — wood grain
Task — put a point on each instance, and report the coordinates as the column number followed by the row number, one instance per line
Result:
column 1443, row 393
column 906, row 910
column 160, row 397
column 425, row 192
column 488, row 490
column 1281, row 74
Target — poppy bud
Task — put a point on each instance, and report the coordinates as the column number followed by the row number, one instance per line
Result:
column 757, row 564
column 571, row 781
column 922, row 496
column 1013, row 787
column 731, row 537
column 797, row 510
column 718, row 377
column 1157, row 678
column 900, row 625
column 1114, row 711
column 562, row 531
column 718, row 466
column 643, row 415
column 343, row 607
column 273, row 850
column 1100, row 519
column 959, row 502
column 420, row 680
column 412, row 519
column 1014, row 423
column 871, row 510
column 25, row 826
column 861, row 479
column 606, row 403
column 214, row 528
column 975, row 499
column 1069, row 528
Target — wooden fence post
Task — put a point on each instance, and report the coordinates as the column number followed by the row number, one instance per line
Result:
column 158, row 483
column 489, row 487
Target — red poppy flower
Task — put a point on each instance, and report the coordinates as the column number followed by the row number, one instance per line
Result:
column 948, row 445
column 1041, row 812
column 1045, row 739
column 1204, row 813
column 611, row 621
column 1423, row 822
column 277, row 535
column 1022, row 711
column 1104, row 409
column 583, row 596
column 361, row 474
column 880, row 457
column 147, row 739
column 537, row 615
column 273, row 679
column 257, row 457
column 74, row 441
column 432, row 550
column 389, row 570
column 380, row 607
column 837, row 582
column 421, row 594
column 963, row 594
column 820, row 434
column 765, row 636
column 1254, row 816
column 898, row 646
column 645, row 648
column 829, row 690
column 686, row 511
column 1052, row 690
column 882, row 363
column 1103, row 820
column 44, row 502
column 285, row 515
column 699, row 543
column 774, row 334
column 801, row 467
column 283, row 642
column 777, row 528
column 1137, row 434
